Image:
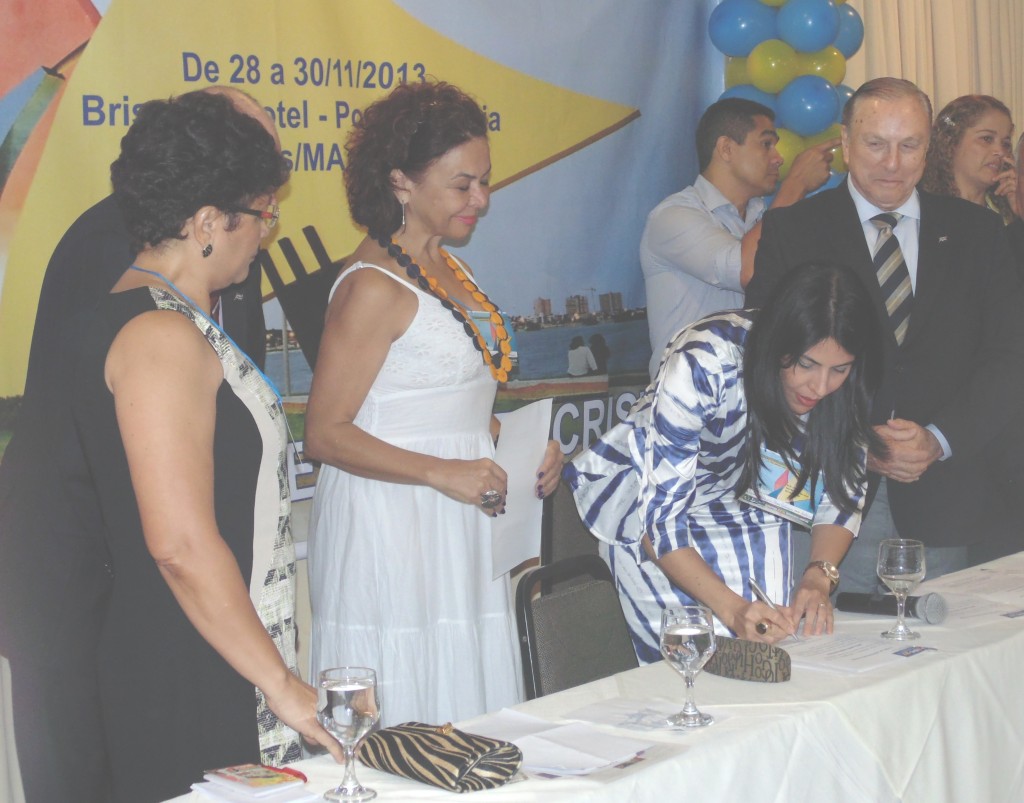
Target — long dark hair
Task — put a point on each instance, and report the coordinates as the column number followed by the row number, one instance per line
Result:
column 812, row 303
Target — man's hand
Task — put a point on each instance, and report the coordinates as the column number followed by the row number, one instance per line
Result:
column 912, row 448
column 810, row 169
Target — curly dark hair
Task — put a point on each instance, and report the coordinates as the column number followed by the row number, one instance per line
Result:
column 409, row 129
column 187, row 152
column 947, row 132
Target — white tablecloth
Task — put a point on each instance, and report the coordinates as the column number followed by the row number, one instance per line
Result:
column 944, row 726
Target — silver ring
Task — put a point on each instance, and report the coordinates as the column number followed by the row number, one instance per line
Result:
column 821, row 604
column 490, row 499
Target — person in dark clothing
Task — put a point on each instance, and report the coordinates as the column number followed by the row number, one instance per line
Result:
column 50, row 519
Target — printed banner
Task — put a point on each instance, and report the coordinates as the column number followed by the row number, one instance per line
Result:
column 591, row 106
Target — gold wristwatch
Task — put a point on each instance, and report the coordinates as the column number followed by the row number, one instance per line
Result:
column 831, row 572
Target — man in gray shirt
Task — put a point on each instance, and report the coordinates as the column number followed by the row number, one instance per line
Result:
column 697, row 249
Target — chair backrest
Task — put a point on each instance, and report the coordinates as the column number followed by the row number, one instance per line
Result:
column 575, row 633
column 563, row 532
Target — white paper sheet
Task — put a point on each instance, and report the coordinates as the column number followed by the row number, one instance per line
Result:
column 515, row 534
column 1004, row 584
column 640, row 715
column 550, row 748
column 968, row 609
column 846, row 653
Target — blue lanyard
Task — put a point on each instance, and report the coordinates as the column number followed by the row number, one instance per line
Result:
column 217, row 326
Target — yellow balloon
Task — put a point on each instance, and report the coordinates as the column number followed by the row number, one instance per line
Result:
column 828, row 63
column 832, row 132
column 782, row 2
column 789, row 146
column 772, row 64
column 736, row 71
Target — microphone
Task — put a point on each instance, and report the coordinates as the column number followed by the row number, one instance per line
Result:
column 931, row 608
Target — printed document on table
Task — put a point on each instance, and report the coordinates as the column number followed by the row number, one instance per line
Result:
column 1004, row 582
column 968, row 609
column 639, row 715
column 515, row 534
column 846, row 653
column 558, row 749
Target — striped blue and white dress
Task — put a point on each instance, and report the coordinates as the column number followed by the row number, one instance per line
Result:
column 670, row 470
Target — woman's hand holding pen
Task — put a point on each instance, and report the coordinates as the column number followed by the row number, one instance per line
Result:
column 766, row 628
column 748, row 619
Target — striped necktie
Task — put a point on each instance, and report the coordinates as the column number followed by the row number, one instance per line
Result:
column 892, row 273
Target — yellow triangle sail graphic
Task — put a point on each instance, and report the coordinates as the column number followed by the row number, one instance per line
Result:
column 315, row 65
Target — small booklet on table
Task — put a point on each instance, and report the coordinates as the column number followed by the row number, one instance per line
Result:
column 254, row 782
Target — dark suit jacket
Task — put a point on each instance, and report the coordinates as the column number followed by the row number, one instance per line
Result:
column 961, row 366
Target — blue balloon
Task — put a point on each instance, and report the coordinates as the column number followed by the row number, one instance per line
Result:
column 851, row 31
column 737, row 26
column 807, row 105
column 834, row 180
column 844, row 93
column 751, row 92
column 808, row 25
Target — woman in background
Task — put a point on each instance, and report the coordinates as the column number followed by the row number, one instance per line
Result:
column 581, row 359
column 185, row 441
column 400, row 414
column 599, row 348
column 971, row 155
column 662, row 489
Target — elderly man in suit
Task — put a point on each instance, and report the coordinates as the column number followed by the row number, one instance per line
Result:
column 948, row 301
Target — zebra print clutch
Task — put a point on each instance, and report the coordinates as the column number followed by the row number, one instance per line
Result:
column 441, row 756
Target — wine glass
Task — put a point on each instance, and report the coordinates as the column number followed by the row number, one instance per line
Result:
column 901, row 567
column 687, row 642
column 348, row 708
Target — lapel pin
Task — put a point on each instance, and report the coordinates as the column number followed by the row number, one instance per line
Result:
column 943, row 238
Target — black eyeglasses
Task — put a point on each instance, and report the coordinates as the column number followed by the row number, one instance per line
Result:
column 271, row 214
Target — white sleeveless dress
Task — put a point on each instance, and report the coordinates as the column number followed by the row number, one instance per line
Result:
column 400, row 575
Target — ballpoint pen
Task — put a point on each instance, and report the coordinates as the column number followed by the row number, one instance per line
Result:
column 759, row 593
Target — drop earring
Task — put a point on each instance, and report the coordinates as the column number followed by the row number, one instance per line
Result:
column 207, row 250
column 403, row 216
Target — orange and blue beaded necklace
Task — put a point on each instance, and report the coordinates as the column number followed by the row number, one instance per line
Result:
column 503, row 340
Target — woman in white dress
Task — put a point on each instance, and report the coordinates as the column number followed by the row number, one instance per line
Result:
column 400, row 416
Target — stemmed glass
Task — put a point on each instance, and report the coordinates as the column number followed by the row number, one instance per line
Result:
column 348, row 708
column 901, row 567
column 687, row 642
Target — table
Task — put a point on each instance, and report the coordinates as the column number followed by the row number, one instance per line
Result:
column 944, row 726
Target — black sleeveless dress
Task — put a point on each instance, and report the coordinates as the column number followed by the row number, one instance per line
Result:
column 172, row 707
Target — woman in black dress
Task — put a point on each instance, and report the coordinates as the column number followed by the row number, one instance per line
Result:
column 185, row 440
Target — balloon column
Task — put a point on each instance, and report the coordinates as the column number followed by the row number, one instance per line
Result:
column 790, row 55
